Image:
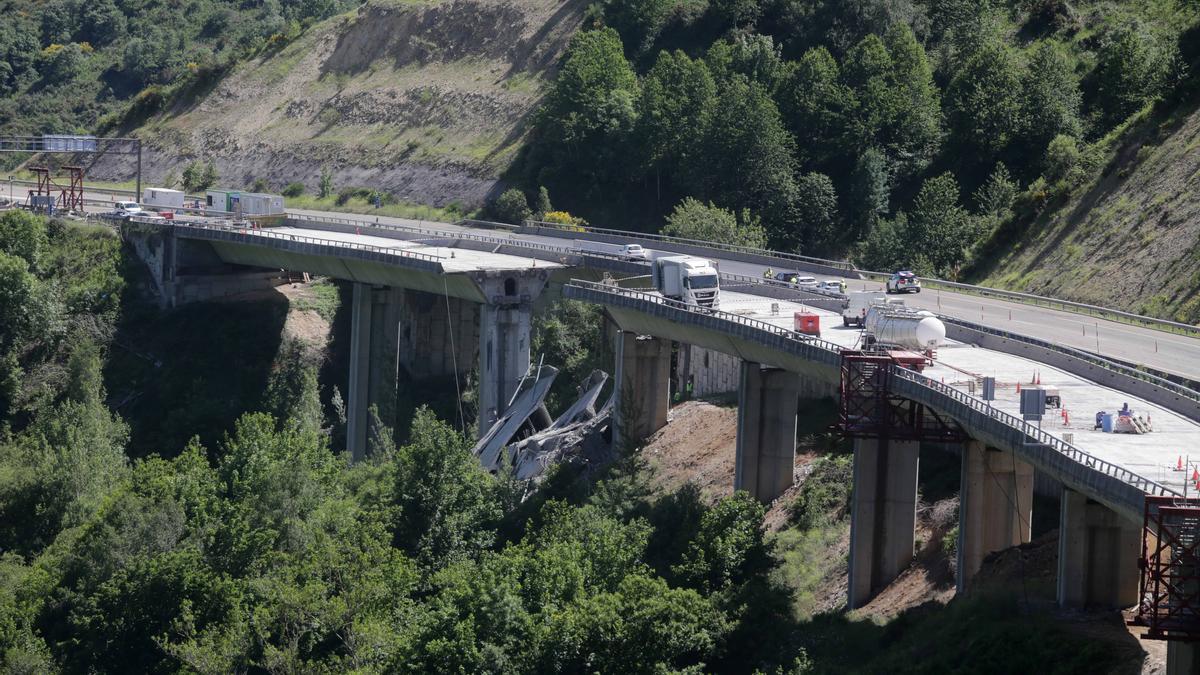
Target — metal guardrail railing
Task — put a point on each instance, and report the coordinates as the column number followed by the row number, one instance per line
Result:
column 434, row 233
column 749, row 250
column 979, row 406
column 1082, row 355
column 267, row 233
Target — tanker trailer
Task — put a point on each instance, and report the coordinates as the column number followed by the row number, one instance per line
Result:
column 904, row 327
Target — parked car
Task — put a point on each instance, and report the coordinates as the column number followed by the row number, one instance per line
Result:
column 832, row 286
column 127, row 209
column 903, row 282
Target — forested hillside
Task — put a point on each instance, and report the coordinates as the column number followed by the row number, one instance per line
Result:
column 901, row 131
column 76, row 65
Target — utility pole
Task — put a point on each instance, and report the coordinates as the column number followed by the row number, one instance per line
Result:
column 137, row 197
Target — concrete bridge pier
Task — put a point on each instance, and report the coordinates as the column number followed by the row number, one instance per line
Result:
column 1098, row 554
column 768, row 399
column 505, row 324
column 358, row 390
column 883, row 515
column 643, row 381
column 504, row 334
column 995, row 506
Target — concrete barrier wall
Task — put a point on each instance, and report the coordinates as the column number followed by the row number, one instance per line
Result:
column 689, row 249
column 1149, row 391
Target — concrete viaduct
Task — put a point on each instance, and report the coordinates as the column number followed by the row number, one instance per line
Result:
column 483, row 287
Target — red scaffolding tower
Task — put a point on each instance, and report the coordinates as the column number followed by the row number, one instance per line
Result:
column 869, row 409
column 69, row 198
column 1169, row 606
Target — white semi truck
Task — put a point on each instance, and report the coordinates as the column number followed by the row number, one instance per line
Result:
column 622, row 251
column 692, row 281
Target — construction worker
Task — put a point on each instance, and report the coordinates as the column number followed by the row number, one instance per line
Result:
column 769, row 274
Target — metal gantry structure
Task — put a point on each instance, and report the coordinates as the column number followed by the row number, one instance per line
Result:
column 1169, row 605
column 71, row 197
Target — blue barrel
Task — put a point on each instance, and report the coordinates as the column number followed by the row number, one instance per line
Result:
column 1107, row 423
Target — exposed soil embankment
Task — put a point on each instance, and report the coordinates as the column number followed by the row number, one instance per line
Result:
column 427, row 101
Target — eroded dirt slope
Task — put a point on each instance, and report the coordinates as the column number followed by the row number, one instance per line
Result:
column 428, row 101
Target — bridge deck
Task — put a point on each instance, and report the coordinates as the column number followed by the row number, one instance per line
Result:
column 452, row 259
column 1152, row 455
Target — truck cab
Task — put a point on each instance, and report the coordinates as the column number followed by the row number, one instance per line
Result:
column 856, row 304
column 692, row 281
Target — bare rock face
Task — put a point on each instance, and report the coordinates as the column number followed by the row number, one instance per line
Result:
column 427, row 101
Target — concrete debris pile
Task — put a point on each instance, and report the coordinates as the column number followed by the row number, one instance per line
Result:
column 525, row 438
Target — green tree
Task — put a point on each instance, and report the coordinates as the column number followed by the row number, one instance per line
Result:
column 914, row 132
column 817, row 210
column 1132, row 65
column 676, row 99
column 730, row 547
column 869, row 190
column 1050, row 98
column 995, row 197
column 735, row 12
column 748, row 160
column 63, row 63
column 638, row 21
column 543, row 205
column 1062, row 156
column 193, row 175
column 208, row 177
column 23, row 234
column 293, row 189
column 983, row 102
column 945, row 231
column 102, row 22
column 693, row 219
column 590, row 108
column 511, row 207
column 444, row 510
column 815, row 104
column 325, row 185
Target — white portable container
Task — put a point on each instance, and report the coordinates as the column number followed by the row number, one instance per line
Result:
column 162, row 198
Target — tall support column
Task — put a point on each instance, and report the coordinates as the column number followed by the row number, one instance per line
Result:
column 995, row 506
column 503, row 358
column 1097, row 555
column 360, row 372
column 643, row 384
column 766, row 431
column 883, row 515
column 1183, row 658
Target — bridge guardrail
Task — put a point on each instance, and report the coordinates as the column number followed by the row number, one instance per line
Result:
column 750, row 250
column 268, row 234
column 979, row 406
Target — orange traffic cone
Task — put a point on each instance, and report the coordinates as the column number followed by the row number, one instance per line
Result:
column 1039, row 377
column 1195, row 473
column 1179, row 464
column 1018, row 387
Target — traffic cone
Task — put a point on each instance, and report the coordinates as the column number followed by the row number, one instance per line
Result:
column 1195, row 473
column 1018, row 387
column 1039, row 377
column 1179, row 464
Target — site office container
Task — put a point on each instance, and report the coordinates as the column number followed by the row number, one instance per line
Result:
column 245, row 203
column 162, row 198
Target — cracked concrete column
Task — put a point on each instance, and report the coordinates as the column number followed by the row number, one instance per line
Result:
column 766, row 431
column 1098, row 553
column 883, row 515
column 995, row 506
column 643, row 381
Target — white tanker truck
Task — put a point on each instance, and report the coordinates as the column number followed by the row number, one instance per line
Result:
column 889, row 325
